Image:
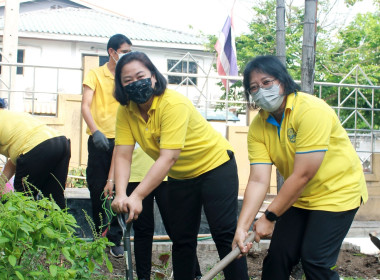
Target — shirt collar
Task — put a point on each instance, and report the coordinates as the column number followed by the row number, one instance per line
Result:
column 132, row 106
column 290, row 101
column 289, row 105
column 154, row 104
column 107, row 71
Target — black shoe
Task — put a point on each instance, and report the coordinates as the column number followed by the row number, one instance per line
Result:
column 117, row 251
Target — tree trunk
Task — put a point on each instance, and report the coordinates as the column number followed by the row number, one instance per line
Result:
column 280, row 31
column 308, row 46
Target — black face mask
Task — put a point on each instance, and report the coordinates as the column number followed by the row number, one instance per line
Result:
column 139, row 91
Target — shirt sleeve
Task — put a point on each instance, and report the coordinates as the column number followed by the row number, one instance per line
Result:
column 174, row 125
column 313, row 128
column 90, row 80
column 257, row 150
column 123, row 131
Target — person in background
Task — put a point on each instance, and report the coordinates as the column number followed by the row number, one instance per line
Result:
column 324, row 181
column 99, row 112
column 198, row 161
column 143, row 227
column 35, row 152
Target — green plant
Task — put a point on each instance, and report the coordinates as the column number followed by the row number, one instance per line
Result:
column 37, row 241
column 75, row 180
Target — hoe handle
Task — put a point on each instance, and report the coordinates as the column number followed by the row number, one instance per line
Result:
column 127, row 246
column 227, row 260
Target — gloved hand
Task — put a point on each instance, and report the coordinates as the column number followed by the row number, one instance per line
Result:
column 100, row 141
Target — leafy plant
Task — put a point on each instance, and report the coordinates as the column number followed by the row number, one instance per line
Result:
column 75, row 182
column 37, row 241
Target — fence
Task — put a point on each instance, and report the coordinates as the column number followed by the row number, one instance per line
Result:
column 356, row 105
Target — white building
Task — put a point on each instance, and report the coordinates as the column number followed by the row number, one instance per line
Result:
column 55, row 36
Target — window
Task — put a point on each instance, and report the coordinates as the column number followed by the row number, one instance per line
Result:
column 181, row 67
column 103, row 59
column 20, row 59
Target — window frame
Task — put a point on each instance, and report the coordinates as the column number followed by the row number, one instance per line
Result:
column 181, row 66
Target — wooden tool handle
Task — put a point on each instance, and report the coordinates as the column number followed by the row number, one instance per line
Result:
column 227, row 259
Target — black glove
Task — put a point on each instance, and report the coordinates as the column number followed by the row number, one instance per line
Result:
column 100, row 141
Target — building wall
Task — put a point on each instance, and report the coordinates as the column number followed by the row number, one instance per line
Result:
column 65, row 69
column 370, row 210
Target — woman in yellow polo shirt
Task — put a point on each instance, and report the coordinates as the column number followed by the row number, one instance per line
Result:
column 198, row 160
column 143, row 227
column 35, row 151
column 324, row 181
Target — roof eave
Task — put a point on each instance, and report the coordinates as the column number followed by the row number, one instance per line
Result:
column 104, row 40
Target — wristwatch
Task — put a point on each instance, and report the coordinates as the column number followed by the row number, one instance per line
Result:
column 271, row 216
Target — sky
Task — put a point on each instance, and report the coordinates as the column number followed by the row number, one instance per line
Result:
column 208, row 16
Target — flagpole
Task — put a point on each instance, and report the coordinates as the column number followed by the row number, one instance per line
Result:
column 228, row 91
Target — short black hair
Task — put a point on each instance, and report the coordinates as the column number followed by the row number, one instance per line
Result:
column 3, row 103
column 159, row 87
column 116, row 41
column 270, row 65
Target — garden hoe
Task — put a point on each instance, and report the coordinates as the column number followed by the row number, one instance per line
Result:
column 226, row 260
column 126, row 227
column 375, row 240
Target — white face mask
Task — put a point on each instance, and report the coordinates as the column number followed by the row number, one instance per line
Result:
column 120, row 55
column 268, row 99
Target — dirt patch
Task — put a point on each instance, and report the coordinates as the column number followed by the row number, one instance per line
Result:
column 351, row 264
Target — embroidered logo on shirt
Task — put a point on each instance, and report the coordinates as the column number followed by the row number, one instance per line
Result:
column 292, row 135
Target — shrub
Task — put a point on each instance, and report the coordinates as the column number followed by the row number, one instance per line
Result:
column 37, row 241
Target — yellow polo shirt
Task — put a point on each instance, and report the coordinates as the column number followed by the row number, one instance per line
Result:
column 174, row 123
column 310, row 125
column 104, row 105
column 21, row 132
column 141, row 163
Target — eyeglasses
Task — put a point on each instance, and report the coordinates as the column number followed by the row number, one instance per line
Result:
column 266, row 84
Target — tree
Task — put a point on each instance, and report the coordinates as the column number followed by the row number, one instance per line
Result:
column 337, row 52
column 280, row 34
column 308, row 46
column 356, row 45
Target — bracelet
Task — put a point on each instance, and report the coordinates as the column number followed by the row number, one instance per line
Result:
column 110, row 180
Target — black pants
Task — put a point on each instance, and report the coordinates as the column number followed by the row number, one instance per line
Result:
column 46, row 166
column 313, row 236
column 217, row 191
column 143, row 228
column 98, row 166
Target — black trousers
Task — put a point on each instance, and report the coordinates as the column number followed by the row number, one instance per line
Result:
column 46, row 166
column 143, row 228
column 98, row 166
column 313, row 236
column 217, row 192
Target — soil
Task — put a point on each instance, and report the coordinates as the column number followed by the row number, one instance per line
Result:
column 351, row 265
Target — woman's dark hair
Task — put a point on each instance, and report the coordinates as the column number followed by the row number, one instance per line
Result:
column 120, row 94
column 3, row 103
column 116, row 41
column 270, row 65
